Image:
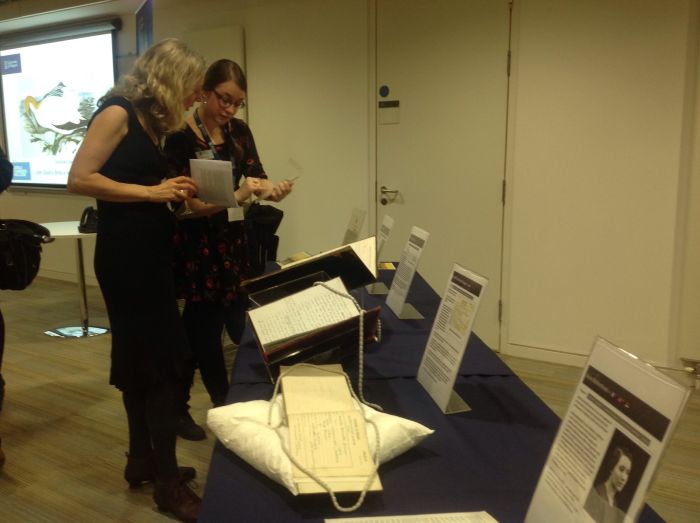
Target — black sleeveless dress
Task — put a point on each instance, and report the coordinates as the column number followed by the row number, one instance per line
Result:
column 134, row 267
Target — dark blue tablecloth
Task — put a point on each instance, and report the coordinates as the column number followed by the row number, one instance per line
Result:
column 487, row 459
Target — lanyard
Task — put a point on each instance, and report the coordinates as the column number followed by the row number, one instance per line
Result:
column 205, row 135
column 212, row 147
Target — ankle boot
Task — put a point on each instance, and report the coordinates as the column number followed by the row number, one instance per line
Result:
column 142, row 470
column 188, row 429
column 177, row 498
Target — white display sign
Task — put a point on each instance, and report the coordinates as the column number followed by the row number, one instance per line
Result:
column 447, row 517
column 449, row 336
column 379, row 288
column 352, row 233
column 610, row 441
column 396, row 299
column 384, row 233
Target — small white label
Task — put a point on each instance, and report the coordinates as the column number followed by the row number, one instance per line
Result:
column 206, row 154
column 235, row 214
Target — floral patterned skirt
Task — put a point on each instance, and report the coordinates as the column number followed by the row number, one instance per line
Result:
column 210, row 259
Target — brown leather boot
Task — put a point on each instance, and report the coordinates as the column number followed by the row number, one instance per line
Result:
column 142, row 470
column 2, row 454
column 177, row 498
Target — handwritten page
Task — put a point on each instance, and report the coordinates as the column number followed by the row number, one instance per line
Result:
column 330, row 443
column 327, row 434
column 321, row 395
column 214, row 181
column 300, row 313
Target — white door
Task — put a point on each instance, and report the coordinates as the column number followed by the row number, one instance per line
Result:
column 597, row 164
column 445, row 63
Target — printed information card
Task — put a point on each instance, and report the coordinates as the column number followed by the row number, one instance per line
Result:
column 448, row 517
column 357, row 220
column 448, row 338
column 396, row 299
column 379, row 288
column 384, row 233
column 610, row 441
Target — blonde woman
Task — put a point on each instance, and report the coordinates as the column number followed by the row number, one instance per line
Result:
column 120, row 163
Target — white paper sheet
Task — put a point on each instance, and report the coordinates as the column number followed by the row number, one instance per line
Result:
column 214, row 181
column 327, row 434
column 300, row 313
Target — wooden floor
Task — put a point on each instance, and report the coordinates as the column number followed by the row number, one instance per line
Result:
column 64, row 431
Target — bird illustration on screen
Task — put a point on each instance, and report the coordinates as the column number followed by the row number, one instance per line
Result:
column 53, row 111
column 57, row 118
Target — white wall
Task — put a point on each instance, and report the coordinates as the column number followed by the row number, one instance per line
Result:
column 307, row 69
column 308, row 66
column 688, row 270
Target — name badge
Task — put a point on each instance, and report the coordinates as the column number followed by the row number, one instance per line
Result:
column 206, row 154
column 235, row 214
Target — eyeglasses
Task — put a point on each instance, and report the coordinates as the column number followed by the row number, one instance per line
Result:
column 225, row 101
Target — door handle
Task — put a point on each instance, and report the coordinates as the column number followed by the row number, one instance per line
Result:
column 387, row 194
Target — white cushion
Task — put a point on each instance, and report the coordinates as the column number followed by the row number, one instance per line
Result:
column 243, row 428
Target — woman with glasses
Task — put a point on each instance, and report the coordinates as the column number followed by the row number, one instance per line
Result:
column 211, row 242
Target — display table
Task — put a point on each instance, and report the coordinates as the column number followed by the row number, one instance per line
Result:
column 489, row 458
column 401, row 348
column 70, row 230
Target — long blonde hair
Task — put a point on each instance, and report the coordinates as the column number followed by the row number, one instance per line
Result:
column 160, row 80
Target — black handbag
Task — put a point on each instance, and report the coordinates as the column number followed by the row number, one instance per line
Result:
column 88, row 220
column 261, row 223
column 20, row 252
